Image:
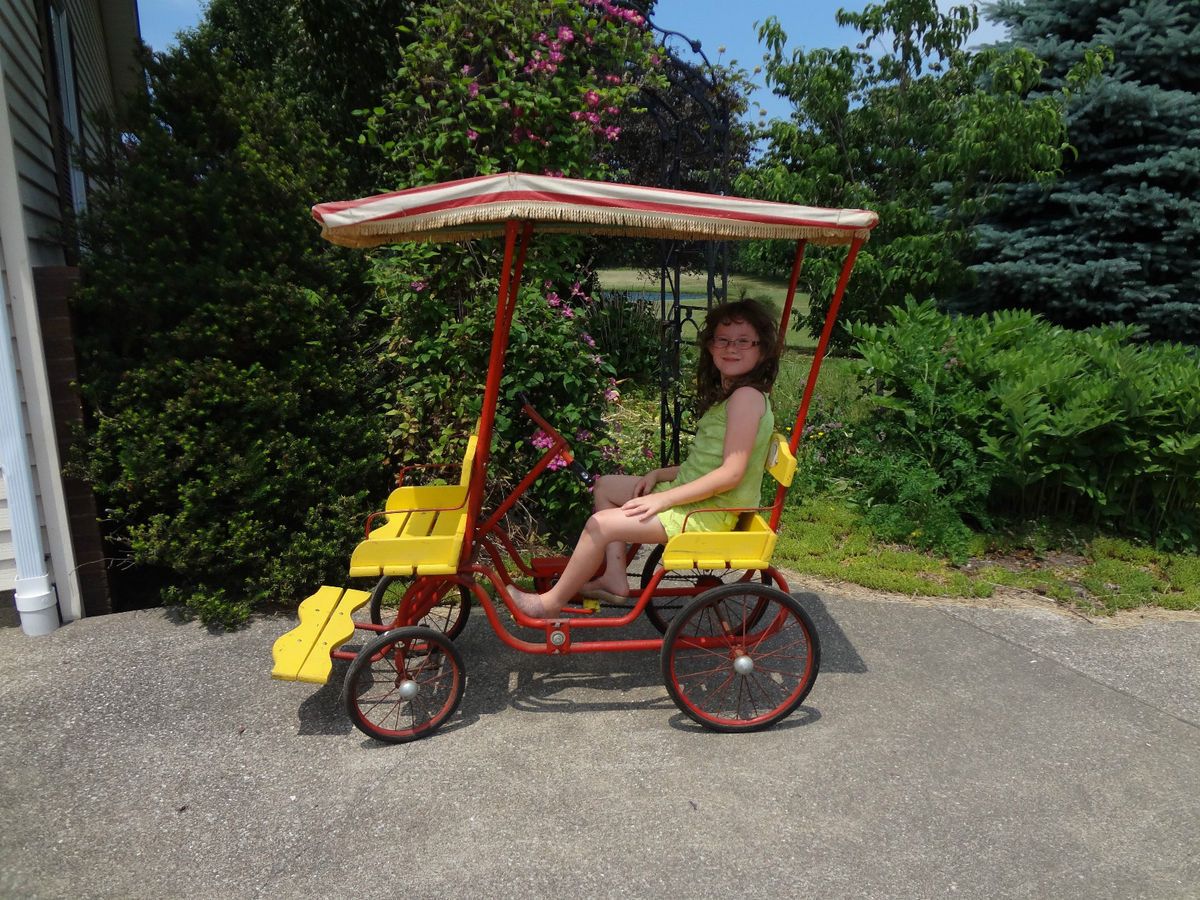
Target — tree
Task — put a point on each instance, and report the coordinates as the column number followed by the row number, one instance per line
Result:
column 912, row 125
column 490, row 86
column 230, row 440
column 1117, row 239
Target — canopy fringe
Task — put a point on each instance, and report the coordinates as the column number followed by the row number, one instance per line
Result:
column 486, row 221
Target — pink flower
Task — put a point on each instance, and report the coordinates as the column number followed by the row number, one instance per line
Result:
column 556, row 56
column 565, row 34
column 589, row 340
column 611, row 110
column 577, row 290
column 577, row 114
column 612, row 395
column 613, row 79
column 419, row 286
column 540, row 37
column 552, row 173
column 511, row 56
column 598, row 360
column 655, row 59
column 612, row 132
column 541, row 440
column 583, row 435
column 592, row 117
column 567, row 312
column 557, row 463
column 648, row 453
column 466, row 70
column 553, row 299
column 592, row 98
column 473, row 89
column 472, row 134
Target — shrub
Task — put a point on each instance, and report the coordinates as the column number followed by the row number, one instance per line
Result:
column 228, row 441
column 628, row 334
column 1040, row 421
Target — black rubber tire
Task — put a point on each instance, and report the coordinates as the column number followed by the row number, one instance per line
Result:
column 371, row 692
column 661, row 610
column 448, row 617
column 702, row 680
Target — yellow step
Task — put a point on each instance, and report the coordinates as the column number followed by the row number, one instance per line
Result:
column 325, row 624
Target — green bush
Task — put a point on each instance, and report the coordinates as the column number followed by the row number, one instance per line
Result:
column 228, row 439
column 628, row 334
column 1027, row 420
column 491, row 86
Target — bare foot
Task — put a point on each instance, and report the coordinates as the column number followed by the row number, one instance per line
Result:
column 600, row 586
column 530, row 604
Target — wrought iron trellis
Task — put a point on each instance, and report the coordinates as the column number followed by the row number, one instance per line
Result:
column 694, row 148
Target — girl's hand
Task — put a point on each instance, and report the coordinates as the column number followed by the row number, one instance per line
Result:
column 646, row 507
column 646, row 484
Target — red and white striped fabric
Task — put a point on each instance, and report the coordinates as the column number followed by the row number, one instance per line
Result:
column 479, row 207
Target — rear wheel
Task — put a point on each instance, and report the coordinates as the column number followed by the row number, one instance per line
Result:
column 404, row 684
column 449, row 614
column 730, row 675
column 661, row 610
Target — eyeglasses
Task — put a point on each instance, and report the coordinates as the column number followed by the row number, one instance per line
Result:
column 719, row 343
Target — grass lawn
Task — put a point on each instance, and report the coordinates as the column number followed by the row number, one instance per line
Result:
column 770, row 290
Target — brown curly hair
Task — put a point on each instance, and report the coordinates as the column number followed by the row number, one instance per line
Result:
column 709, row 389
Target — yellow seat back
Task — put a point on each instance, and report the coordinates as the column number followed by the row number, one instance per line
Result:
column 469, row 459
column 781, row 463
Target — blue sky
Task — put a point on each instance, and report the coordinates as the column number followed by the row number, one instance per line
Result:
column 715, row 23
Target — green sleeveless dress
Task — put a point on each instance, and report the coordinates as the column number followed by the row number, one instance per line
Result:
column 707, row 453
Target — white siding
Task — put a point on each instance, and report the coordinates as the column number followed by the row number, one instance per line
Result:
column 25, row 88
column 8, row 568
column 91, row 67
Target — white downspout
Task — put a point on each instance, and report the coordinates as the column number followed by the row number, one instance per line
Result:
column 35, row 598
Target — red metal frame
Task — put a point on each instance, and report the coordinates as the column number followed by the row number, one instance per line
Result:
column 483, row 537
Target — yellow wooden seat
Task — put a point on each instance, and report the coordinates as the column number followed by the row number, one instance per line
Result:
column 419, row 542
column 750, row 544
column 325, row 624
column 422, row 531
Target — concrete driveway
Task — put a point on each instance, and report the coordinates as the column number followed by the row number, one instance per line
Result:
column 945, row 751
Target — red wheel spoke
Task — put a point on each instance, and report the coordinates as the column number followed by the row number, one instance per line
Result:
column 704, row 672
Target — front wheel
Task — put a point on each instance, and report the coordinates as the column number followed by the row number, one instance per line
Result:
column 404, row 684
column 729, row 674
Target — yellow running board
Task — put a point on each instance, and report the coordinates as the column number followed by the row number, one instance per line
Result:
column 325, row 624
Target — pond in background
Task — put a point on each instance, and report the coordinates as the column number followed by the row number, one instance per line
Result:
column 687, row 299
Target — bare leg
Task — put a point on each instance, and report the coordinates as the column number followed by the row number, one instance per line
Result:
column 603, row 528
column 610, row 492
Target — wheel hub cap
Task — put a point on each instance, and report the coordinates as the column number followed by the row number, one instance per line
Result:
column 743, row 665
column 408, row 689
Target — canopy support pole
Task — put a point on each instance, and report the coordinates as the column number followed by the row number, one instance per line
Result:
column 506, row 302
column 797, row 264
column 818, row 356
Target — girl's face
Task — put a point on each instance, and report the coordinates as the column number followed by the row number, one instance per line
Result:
column 735, row 349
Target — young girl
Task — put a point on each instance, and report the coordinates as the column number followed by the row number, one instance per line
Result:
column 739, row 359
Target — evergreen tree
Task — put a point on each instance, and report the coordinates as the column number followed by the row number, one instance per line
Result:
column 1117, row 239
column 231, row 438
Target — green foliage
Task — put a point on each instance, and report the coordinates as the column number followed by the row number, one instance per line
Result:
column 1115, row 239
column 484, row 87
column 226, row 437
column 908, row 124
column 1041, row 421
column 628, row 334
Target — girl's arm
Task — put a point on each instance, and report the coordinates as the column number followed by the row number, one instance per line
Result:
column 650, row 479
column 743, row 411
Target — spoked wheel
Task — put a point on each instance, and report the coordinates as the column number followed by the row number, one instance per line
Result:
column 730, row 675
column 404, row 684
column 449, row 616
column 661, row 610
